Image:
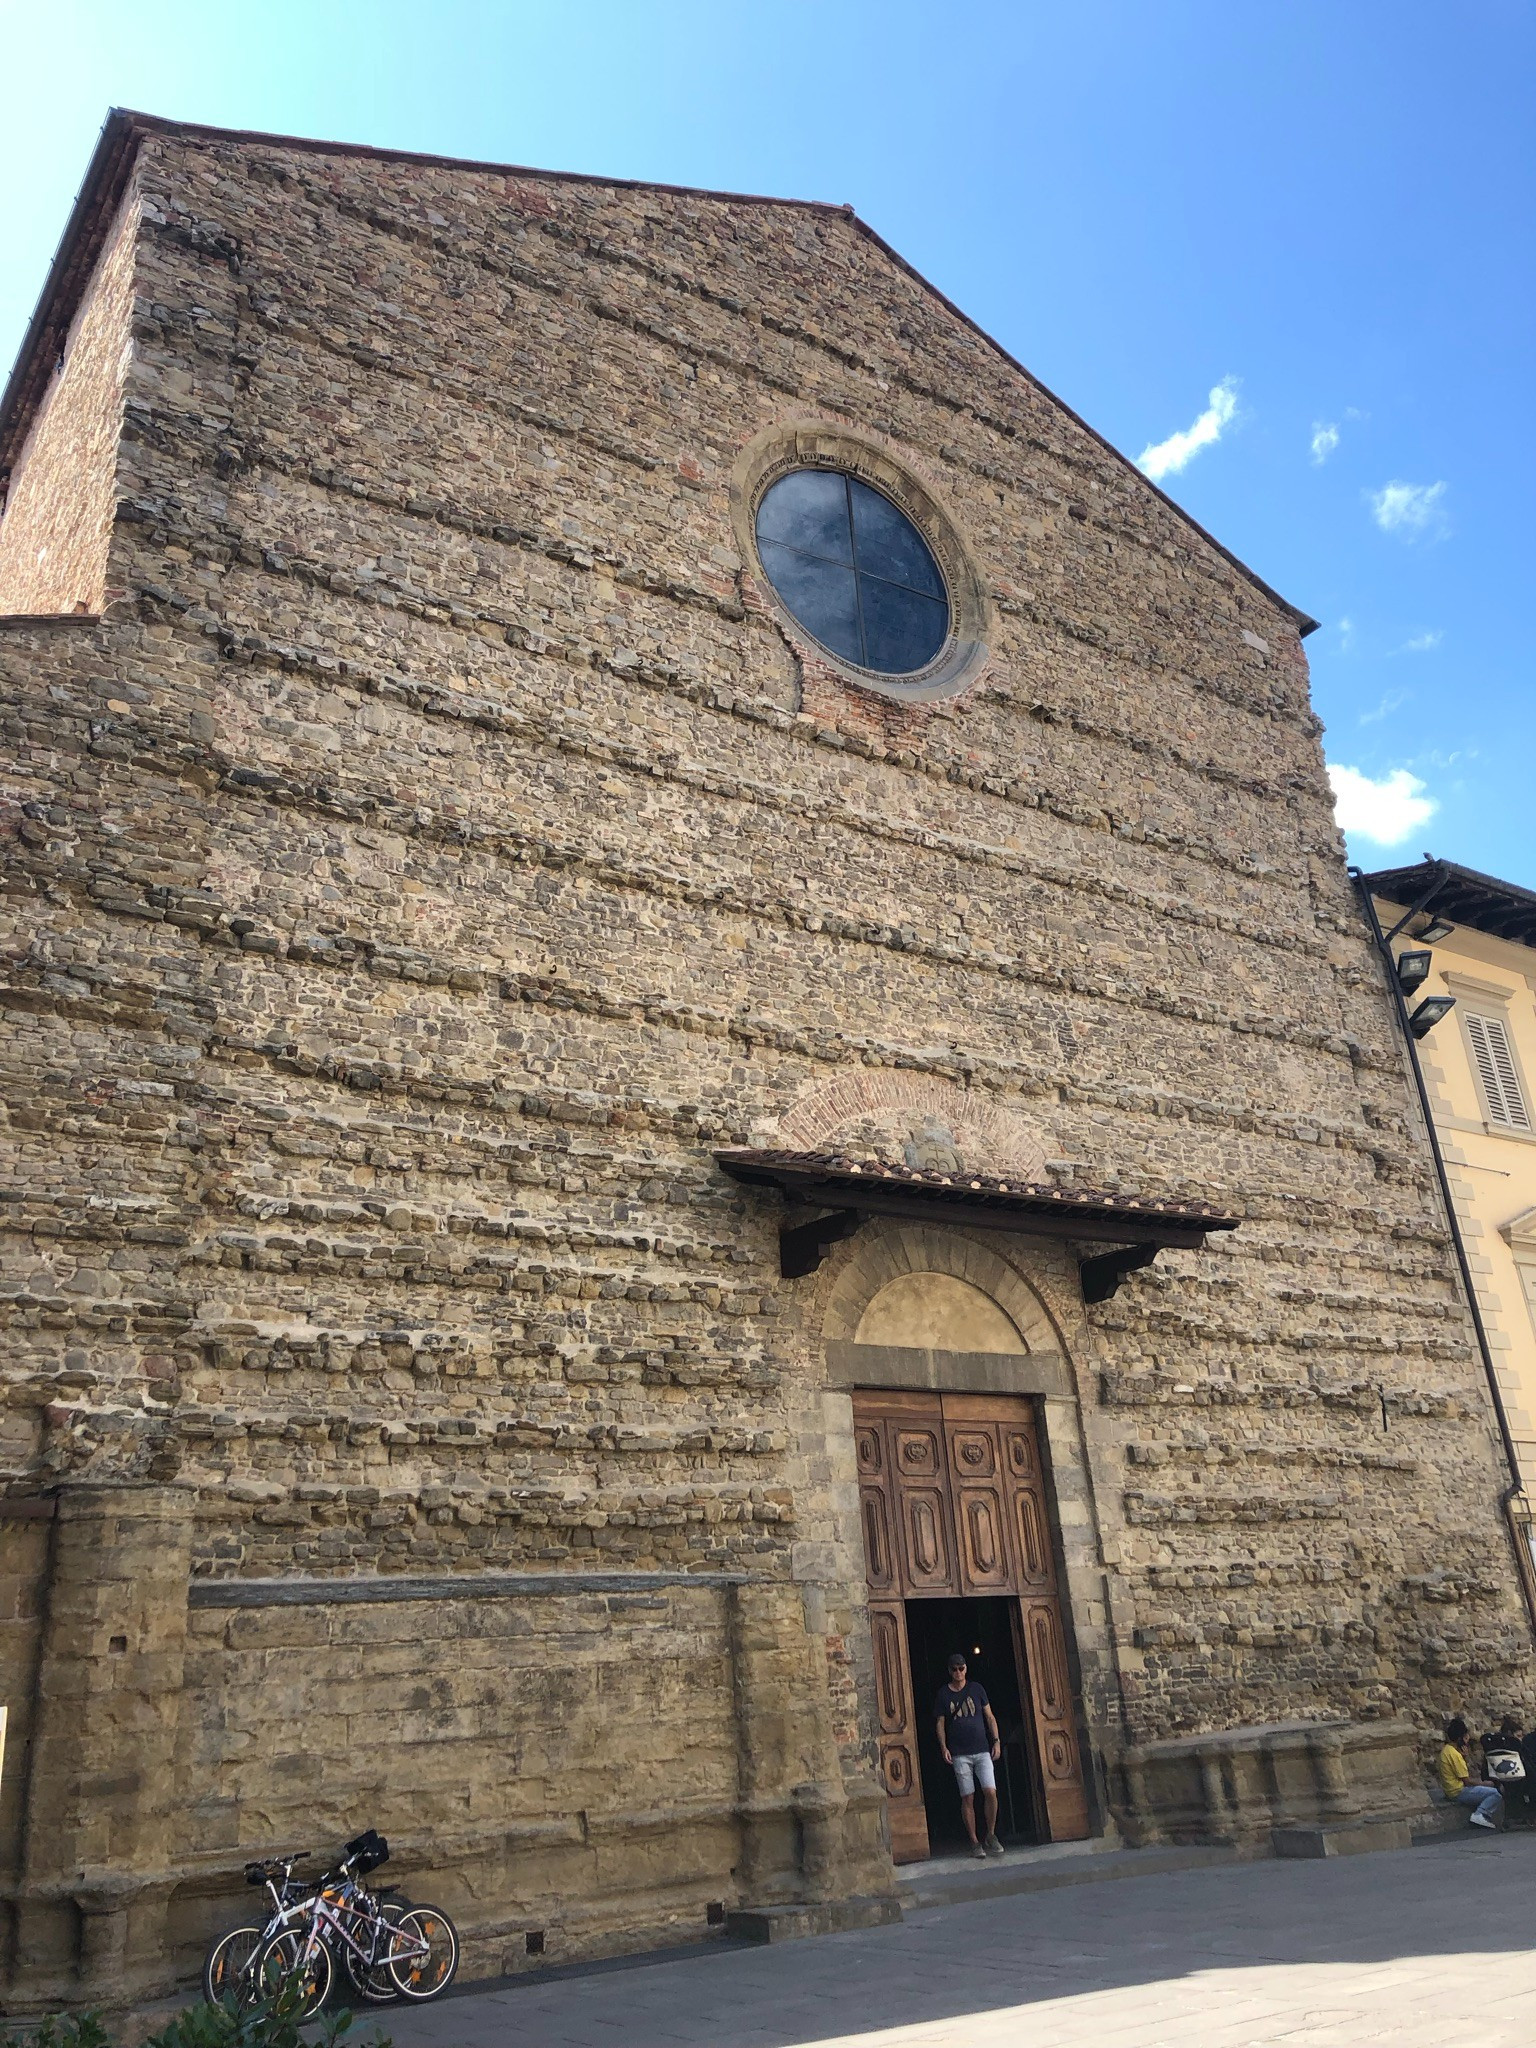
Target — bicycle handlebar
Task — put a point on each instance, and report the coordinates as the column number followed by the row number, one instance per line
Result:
column 363, row 1855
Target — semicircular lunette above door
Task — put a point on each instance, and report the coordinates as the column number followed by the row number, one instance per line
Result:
column 930, row 1311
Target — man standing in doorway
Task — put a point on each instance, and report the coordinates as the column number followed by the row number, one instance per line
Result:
column 969, row 1739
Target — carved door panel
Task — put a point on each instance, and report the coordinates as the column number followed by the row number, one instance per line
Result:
column 1050, row 1693
column 920, row 1469
column 881, row 1512
column 882, row 1569
column 981, row 1515
column 898, row 1732
column 1028, row 1525
column 1020, row 1486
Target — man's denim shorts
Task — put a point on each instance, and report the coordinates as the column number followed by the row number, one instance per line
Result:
column 973, row 1771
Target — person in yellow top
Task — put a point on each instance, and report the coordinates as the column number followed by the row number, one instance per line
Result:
column 1458, row 1783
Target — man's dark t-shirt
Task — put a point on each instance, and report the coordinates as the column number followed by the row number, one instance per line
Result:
column 965, row 1725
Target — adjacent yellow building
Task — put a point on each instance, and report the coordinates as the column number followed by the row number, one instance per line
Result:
column 1479, row 1066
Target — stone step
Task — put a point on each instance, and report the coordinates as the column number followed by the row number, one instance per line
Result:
column 793, row 1923
column 1342, row 1838
column 1438, row 1821
column 959, row 1881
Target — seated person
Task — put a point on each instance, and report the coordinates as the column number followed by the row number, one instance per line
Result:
column 1506, row 1737
column 1458, row 1783
column 1505, row 1765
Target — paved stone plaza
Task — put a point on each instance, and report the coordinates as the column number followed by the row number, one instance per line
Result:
column 1428, row 1948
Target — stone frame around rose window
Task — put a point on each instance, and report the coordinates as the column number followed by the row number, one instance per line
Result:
column 815, row 444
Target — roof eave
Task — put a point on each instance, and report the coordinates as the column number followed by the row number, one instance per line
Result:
column 1465, row 895
column 1010, row 1205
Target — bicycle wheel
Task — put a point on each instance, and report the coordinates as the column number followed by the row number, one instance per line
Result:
column 425, row 1956
column 229, row 1968
column 292, row 1959
column 372, row 1982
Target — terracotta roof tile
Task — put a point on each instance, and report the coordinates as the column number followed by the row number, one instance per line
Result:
column 766, row 1163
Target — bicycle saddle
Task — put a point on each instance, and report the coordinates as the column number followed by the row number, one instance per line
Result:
column 256, row 1873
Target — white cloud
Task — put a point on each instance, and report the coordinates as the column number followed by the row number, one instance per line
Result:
column 1346, row 635
column 1325, row 438
column 1394, row 700
column 1385, row 810
column 1422, row 643
column 1409, row 509
column 1167, row 458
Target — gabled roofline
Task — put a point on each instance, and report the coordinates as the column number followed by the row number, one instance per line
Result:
column 42, row 345
column 107, row 176
column 1303, row 621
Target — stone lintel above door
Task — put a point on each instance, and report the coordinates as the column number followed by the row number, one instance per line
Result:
column 946, row 1372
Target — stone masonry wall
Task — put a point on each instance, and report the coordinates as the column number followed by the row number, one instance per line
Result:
column 520, row 1752
column 59, row 502
column 24, row 1559
column 443, row 848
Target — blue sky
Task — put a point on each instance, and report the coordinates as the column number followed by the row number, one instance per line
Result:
column 1298, row 236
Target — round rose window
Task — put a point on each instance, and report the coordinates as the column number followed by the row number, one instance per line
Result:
column 853, row 570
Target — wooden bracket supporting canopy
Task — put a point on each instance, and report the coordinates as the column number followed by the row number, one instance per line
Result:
column 803, row 1246
column 1102, row 1274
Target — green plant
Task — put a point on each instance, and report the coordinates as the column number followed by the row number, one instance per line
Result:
column 270, row 2023
column 62, row 2030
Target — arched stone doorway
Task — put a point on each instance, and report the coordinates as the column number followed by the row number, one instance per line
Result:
column 948, row 1354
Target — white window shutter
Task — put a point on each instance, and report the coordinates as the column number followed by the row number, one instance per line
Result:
column 1504, row 1060
column 1477, row 1038
column 1495, row 1061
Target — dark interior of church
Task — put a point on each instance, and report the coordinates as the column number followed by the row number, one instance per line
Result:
column 983, row 1631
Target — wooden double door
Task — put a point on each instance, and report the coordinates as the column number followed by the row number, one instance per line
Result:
column 953, row 1505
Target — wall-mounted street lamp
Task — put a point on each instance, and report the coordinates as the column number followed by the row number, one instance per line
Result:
column 1429, row 1013
column 1434, row 931
column 1413, row 969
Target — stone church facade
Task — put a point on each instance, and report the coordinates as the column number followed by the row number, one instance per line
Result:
column 589, row 1177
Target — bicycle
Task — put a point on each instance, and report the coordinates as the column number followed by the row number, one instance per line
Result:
column 235, row 1966
column 230, row 1964
column 397, row 1949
